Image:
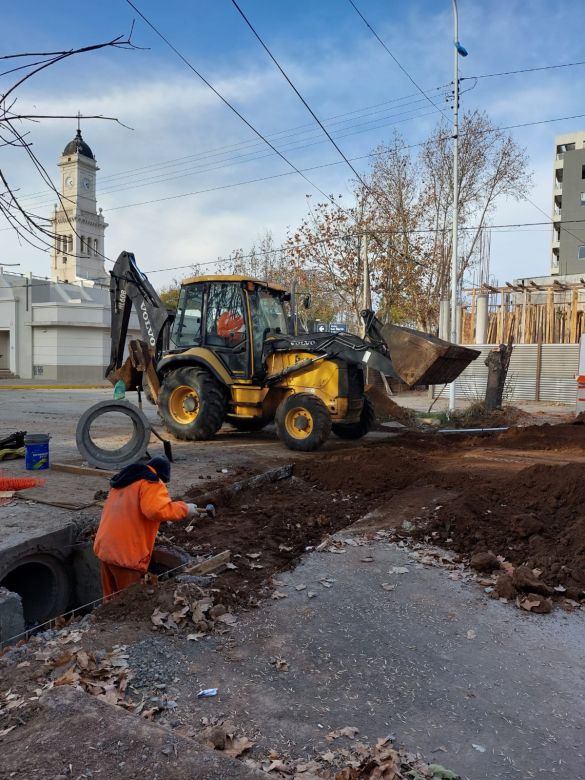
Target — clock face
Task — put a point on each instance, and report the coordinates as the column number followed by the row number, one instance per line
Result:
column 86, row 183
column 69, row 181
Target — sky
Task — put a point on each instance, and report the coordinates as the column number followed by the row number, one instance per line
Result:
column 182, row 185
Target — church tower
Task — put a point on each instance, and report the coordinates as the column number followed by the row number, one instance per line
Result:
column 79, row 228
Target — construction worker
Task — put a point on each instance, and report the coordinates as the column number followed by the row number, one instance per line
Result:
column 136, row 506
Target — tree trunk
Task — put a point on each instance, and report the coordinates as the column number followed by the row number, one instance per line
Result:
column 497, row 362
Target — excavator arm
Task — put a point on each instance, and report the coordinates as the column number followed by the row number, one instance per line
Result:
column 130, row 287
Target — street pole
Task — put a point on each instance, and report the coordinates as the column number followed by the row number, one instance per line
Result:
column 293, row 305
column 367, row 294
column 457, row 50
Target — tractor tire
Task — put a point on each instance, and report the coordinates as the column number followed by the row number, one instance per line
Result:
column 358, row 429
column 192, row 404
column 250, row 424
column 303, row 422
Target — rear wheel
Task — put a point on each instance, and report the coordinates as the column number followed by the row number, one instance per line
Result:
column 358, row 429
column 303, row 422
column 192, row 403
column 248, row 424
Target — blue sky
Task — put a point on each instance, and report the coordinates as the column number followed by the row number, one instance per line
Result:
column 184, row 140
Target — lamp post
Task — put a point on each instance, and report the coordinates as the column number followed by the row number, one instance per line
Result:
column 458, row 49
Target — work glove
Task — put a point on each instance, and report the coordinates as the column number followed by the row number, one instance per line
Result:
column 192, row 510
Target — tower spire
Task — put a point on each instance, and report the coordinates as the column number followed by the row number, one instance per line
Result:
column 79, row 123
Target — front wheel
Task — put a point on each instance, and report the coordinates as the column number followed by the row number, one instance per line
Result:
column 303, row 422
column 192, row 403
column 361, row 427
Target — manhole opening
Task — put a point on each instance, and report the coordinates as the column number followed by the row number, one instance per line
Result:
column 37, row 586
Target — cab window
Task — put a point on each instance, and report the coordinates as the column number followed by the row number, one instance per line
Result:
column 225, row 324
column 187, row 325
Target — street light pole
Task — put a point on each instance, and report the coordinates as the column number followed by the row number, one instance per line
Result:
column 458, row 49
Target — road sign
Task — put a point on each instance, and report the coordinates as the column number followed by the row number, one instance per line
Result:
column 337, row 327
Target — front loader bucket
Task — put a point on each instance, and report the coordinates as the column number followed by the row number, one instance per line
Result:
column 422, row 359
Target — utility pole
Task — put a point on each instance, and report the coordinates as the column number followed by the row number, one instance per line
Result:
column 367, row 293
column 293, row 304
column 458, row 49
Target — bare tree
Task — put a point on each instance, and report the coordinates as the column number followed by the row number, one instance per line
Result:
column 33, row 228
column 405, row 209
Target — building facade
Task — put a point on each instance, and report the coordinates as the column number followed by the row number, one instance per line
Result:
column 58, row 328
column 78, row 251
column 568, row 239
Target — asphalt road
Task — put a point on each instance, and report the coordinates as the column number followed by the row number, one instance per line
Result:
column 509, row 703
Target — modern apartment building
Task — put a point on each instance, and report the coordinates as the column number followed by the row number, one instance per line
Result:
column 568, row 239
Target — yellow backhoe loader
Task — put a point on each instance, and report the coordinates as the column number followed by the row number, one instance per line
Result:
column 226, row 355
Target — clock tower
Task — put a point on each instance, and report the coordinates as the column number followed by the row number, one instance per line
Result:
column 78, row 251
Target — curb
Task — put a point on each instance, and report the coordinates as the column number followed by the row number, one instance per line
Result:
column 54, row 387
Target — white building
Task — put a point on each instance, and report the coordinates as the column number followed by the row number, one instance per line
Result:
column 59, row 328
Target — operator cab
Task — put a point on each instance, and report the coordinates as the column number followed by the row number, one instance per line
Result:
column 232, row 316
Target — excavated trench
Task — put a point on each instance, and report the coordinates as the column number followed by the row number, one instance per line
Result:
column 36, row 587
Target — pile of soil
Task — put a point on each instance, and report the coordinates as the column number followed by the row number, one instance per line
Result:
column 386, row 409
column 567, row 436
column 535, row 518
column 476, row 416
column 372, row 472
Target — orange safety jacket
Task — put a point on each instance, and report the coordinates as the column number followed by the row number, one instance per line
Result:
column 136, row 506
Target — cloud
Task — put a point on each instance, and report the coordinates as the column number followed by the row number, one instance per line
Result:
column 175, row 116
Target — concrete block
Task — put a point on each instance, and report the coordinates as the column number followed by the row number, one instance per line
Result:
column 87, row 584
column 11, row 616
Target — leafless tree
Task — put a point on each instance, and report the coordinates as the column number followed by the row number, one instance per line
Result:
column 15, row 132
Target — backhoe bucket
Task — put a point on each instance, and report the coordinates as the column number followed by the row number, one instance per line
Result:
column 422, row 359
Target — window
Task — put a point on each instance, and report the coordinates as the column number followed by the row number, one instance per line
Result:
column 95, row 247
column 225, row 326
column 70, row 243
column 187, row 325
column 583, row 198
column 583, row 171
column 581, row 253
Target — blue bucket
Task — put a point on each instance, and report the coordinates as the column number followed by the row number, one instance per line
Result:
column 36, row 451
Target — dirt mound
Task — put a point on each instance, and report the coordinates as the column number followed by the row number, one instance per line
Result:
column 535, row 519
column 543, row 437
column 476, row 416
column 372, row 472
column 387, row 409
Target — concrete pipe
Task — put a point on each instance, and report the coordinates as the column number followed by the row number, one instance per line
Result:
column 115, row 459
column 43, row 584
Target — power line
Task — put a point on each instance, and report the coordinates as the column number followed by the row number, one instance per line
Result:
column 523, row 70
column 318, row 167
column 226, row 101
column 298, row 94
column 325, row 165
column 386, row 48
column 149, row 180
column 276, row 135
column 505, row 227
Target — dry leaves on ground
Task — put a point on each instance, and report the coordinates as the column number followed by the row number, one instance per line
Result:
column 222, row 736
column 358, row 762
column 193, row 608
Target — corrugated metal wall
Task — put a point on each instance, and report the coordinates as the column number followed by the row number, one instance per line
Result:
column 558, row 365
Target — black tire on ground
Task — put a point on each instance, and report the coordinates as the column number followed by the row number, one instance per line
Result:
column 358, row 429
column 250, row 424
column 134, row 449
column 303, row 422
column 192, row 403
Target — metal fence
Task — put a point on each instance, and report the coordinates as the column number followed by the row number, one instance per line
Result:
column 538, row 372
